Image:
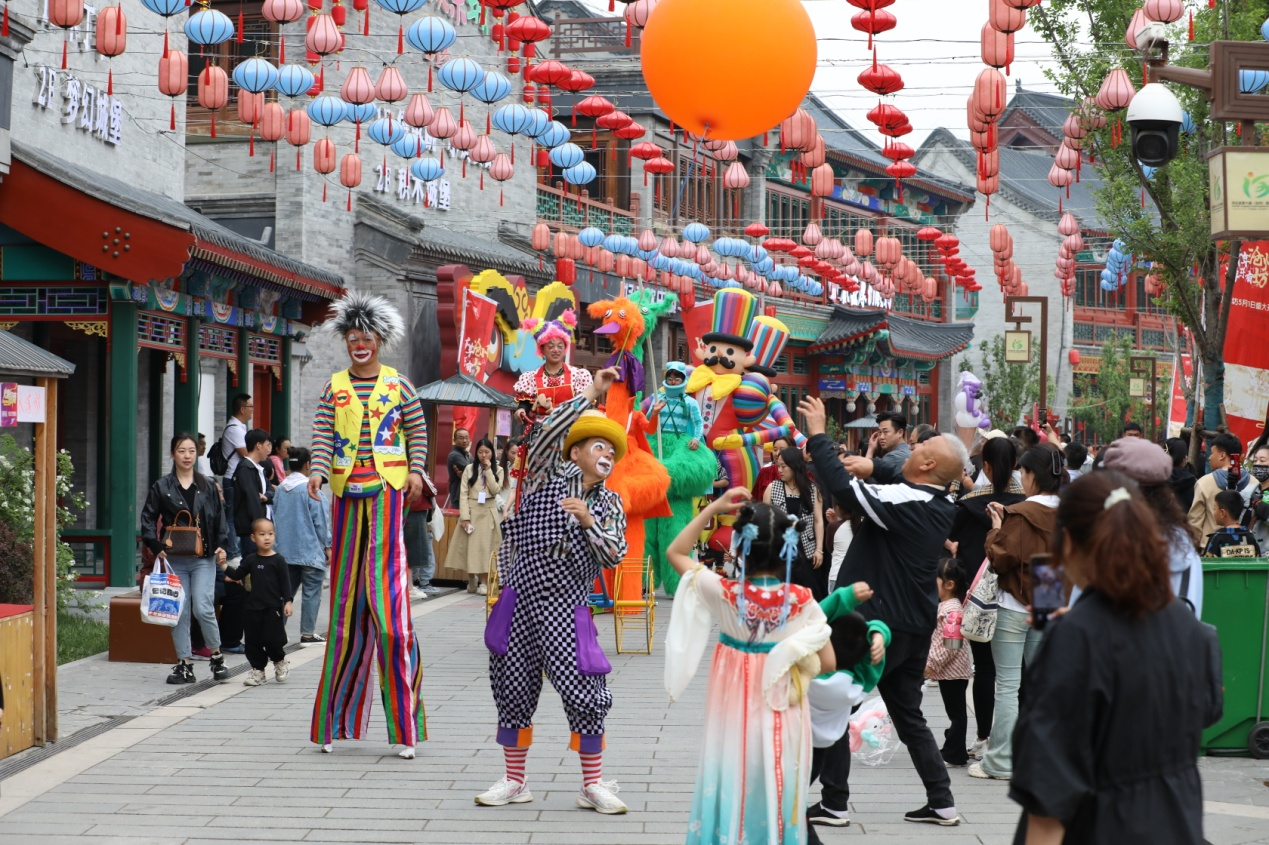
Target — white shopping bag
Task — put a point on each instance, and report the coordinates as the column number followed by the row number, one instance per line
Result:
column 162, row 596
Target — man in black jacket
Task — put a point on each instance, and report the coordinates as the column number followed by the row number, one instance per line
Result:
column 896, row 550
column 252, row 492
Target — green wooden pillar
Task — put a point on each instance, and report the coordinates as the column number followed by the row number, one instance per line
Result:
column 244, row 377
column 281, row 399
column 185, row 402
column 158, row 461
column 121, row 468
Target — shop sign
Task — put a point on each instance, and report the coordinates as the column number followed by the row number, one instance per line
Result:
column 81, row 106
column 835, row 384
column 8, row 405
column 408, row 189
column 1018, row 347
column 1239, row 182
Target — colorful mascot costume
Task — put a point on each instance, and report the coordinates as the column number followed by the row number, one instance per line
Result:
column 690, row 463
column 370, row 443
column 568, row 527
column 639, row 478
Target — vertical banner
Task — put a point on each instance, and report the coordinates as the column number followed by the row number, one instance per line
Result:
column 8, row 405
column 1246, row 354
column 475, row 348
column 697, row 321
column 1177, row 408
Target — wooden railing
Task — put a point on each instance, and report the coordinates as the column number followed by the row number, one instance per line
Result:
column 573, row 212
column 571, row 36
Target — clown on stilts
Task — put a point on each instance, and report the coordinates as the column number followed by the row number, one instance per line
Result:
column 370, row 443
column 568, row 527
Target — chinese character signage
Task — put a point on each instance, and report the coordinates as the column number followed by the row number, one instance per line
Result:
column 1246, row 356
column 32, row 404
column 82, row 106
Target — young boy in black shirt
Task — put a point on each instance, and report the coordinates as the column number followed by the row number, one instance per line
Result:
column 1231, row 539
column 268, row 605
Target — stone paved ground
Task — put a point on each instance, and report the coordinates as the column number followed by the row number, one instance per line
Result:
column 233, row 763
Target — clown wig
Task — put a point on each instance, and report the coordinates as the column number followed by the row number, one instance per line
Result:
column 547, row 330
column 365, row 312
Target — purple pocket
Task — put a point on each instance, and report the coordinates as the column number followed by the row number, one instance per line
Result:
column 590, row 657
column 498, row 625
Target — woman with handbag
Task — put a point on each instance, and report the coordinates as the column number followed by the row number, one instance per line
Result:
column 968, row 542
column 1018, row 532
column 191, row 543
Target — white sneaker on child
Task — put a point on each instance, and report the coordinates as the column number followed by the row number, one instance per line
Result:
column 601, row 797
column 281, row 670
column 505, row 791
column 255, row 678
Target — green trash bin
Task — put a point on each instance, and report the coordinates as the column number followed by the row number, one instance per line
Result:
column 1236, row 602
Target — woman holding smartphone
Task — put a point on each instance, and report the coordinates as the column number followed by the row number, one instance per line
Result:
column 1018, row 532
column 1107, row 743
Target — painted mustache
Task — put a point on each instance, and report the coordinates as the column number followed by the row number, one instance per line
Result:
column 715, row 360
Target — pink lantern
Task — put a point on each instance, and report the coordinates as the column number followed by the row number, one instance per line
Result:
column 272, row 122
column 1073, row 127
column 213, row 91
column 816, row 155
column 988, row 185
column 418, row 112
column 1164, row 11
column 350, row 171
column 822, row 179
column 996, row 46
column 1116, row 91
column 702, row 255
column 989, row 163
column 812, row 234
column 443, row 124
column 282, row 11
column 483, row 152
column 66, row 14
column 669, row 247
column 648, row 240
column 298, row 128
column 112, row 38
column 999, row 237
column 989, row 93
column 323, row 38
column 863, row 244
column 1068, row 225
column 1073, row 243
column 173, row 78
column 1060, row 178
column 727, row 151
column 603, row 261
column 797, row 131
column 1066, row 158
column 464, row 138
column 1138, row 22
column 736, row 177
column 1005, row 18
column 324, row 156
column 501, row 169
column 357, row 87
column 249, row 106
column 391, row 87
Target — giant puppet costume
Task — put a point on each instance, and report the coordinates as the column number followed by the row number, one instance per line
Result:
column 763, row 418
column 569, row 526
column 370, row 443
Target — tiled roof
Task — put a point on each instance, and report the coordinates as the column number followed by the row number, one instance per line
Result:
column 900, row 337
column 475, row 250
column 1048, row 110
column 21, row 358
column 462, row 389
column 175, row 213
column 1024, row 179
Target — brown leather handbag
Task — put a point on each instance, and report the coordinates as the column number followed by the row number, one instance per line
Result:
column 184, row 540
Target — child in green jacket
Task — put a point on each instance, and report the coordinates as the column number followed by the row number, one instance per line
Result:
column 860, row 646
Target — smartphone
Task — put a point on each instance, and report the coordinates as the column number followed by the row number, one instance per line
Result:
column 1235, row 469
column 1047, row 589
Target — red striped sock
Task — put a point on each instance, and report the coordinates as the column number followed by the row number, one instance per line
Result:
column 592, row 764
column 515, row 762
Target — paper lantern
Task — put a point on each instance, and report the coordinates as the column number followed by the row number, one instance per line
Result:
column 1164, row 11
column 298, row 130
column 461, row 75
column 443, row 124
column 822, row 180
column 797, row 131
column 1138, row 22
column 730, row 96
column 1060, row 178
column 1068, row 224
column 989, row 93
column 1116, row 90
column 357, row 87
column 112, row 31
column 816, row 155
column 282, row 11
column 551, row 73
column 249, row 107
column 418, row 111
column 324, row 156
column 323, row 37
column 736, row 177
column 173, row 78
column 863, row 243
column 205, row 27
column 272, row 122
column 1005, row 18
column 881, row 79
column 1066, row 158
column 350, row 174
column 255, row 75
column 213, row 91
column 391, row 86
column 996, row 47
column 294, row 80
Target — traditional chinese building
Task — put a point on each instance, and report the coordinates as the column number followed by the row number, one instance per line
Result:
column 165, row 314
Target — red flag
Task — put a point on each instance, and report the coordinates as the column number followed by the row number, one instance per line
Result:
column 1246, row 357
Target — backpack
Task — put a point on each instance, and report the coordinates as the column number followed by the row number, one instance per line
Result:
column 217, row 458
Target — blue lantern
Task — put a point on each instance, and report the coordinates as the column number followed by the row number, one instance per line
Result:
column 613, row 244
column 427, row 169
column 492, row 88
column 255, row 75
column 386, row 131
column 1148, row 170
column 409, row 145
column 765, row 266
column 294, row 80
column 1252, row 81
column 461, row 75
column 555, row 134
column 567, row 155
column 361, row 112
column 581, row 174
column 1187, row 123
column 208, row 26
column 1264, row 30
column 511, row 119
column 165, row 8
column 695, row 232
column 431, row 35
column 401, row 7
column 538, row 121
column 660, row 262
column 327, row 110
column 590, row 237
column 757, row 254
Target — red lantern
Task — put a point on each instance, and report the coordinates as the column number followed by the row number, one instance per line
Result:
column 881, row 79
column 898, row 151
column 551, row 73
column 885, row 115
column 213, row 91
column 565, row 270
column 1074, row 357
column 324, row 156
column 928, row 233
column 873, row 22
column 989, row 93
column 997, row 47
column 757, row 230
column 901, row 169
column 112, row 37
column 593, row 107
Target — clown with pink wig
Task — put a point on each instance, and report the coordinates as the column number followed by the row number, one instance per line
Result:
column 555, row 382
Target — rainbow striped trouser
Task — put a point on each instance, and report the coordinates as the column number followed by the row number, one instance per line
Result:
column 370, row 611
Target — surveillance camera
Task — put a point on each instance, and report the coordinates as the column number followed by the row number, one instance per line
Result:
column 1154, row 116
column 1153, row 34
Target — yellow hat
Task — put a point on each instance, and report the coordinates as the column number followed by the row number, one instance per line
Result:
column 594, row 424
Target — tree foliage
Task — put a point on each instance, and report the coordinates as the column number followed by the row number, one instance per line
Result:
column 1009, row 390
column 1172, row 231
column 1104, row 403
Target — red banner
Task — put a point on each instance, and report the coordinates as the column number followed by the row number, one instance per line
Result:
column 1177, row 410
column 1246, row 353
column 476, row 351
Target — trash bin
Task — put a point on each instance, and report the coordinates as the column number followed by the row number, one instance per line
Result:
column 1236, row 602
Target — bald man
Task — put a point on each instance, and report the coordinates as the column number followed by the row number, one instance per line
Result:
column 896, row 551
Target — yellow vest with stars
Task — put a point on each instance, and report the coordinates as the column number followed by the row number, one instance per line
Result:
column 387, row 430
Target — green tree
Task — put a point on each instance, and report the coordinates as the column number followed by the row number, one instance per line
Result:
column 1087, row 39
column 1104, row 404
column 1009, row 390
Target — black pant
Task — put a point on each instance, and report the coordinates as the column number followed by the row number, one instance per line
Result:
column 232, row 599
column 984, row 687
column 953, row 693
column 265, row 636
column 900, row 689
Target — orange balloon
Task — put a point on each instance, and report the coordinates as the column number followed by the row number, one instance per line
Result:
column 704, row 63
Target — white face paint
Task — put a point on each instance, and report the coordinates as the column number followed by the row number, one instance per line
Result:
column 603, row 457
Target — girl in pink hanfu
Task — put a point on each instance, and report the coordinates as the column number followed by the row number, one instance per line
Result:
column 756, row 763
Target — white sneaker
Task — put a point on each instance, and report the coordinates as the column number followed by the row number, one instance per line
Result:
column 416, row 594
column 505, row 791
column 602, row 798
column 482, row 590
column 406, row 753
column 978, row 749
column 281, row 669
column 976, row 770
column 255, row 678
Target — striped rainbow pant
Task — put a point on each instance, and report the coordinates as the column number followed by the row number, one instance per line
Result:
column 370, row 612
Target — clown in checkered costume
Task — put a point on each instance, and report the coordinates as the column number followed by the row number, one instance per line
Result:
column 567, row 528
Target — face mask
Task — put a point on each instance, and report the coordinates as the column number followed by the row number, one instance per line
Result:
column 1260, row 473
column 673, row 390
